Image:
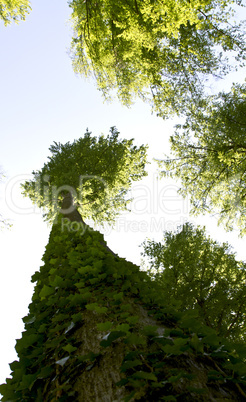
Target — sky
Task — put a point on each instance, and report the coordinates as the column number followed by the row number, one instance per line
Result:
column 41, row 101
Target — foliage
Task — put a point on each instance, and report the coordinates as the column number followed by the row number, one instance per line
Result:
column 96, row 171
column 80, row 277
column 14, row 10
column 208, row 156
column 196, row 272
column 158, row 50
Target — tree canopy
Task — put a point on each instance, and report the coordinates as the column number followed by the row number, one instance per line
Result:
column 208, row 156
column 195, row 272
column 97, row 172
column 14, row 10
column 158, row 50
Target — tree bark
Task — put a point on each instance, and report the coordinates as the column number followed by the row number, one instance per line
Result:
column 69, row 209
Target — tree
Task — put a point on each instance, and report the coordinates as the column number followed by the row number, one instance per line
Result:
column 98, row 330
column 158, row 50
column 96, row 172
column 208, row 156
column 197, row 273
column 97, row 327
column 14, row 10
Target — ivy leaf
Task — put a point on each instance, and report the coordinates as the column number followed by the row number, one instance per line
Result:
column 77, row 317
column 69, row 348
column 84, row 270
column 118, row 296
column 26, row 341
column 134, row 339
column 130, row 364
column 53, row 261
column 123, row 327
column 45, row 372
column 212, row 340
column 104, row 326
column 27, row 382
column 145, row 376
column 46, row 291
column 196, row 343
column 77, row 299
column 111, row 338
column 239, row 368
column 133, row 319
column 95, row 307
column 57, row 281
column 177, row 348
column 150, row 330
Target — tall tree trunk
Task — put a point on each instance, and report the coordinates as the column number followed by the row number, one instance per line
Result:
column 69, row 209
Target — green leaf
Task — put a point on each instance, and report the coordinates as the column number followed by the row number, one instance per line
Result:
column 150, row 330
column 95, row 307
column 27, row 382
column 46, row 291
column 69, row 348
column 118, row 296
column 77, row 299
column 26, row 341
column 53, row 261
column 123, row 327
column 133, row 319
column 45, row 372
column 93, row 281
column 212, row 340
column 145, row 376
column 178, row 348
column 84, row 270
column 77, row 317
column 196, row 343
column 104, row 326
column 57, row 281
column 130, row 364
column 134, row 339
column 111, row 337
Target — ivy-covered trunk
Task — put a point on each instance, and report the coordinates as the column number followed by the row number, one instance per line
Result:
column 98, row 330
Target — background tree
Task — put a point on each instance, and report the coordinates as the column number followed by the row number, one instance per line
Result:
column 195, row 272
column 208, row 156
column 14, row 10
column 97, row 172
column 159, row 51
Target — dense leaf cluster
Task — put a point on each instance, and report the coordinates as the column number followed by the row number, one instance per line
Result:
column 14, row 10
column 81, row 276
column 159, row 51
column 195, row 272
column 96, row 171
column 208, row 156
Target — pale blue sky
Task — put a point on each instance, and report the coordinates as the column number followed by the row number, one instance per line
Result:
column 41, row 101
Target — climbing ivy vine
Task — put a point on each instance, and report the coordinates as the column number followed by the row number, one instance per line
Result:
column 81, row 278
